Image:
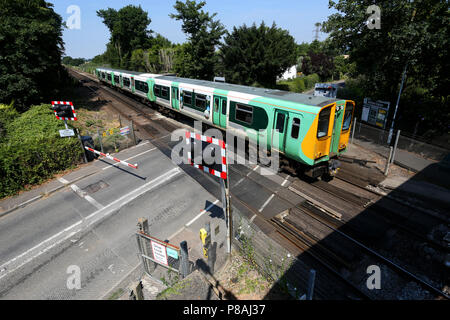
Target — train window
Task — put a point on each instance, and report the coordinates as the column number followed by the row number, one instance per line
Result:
column 244, row 113
column 103, row 75
column 216, row 104
column 295, row 128
column 157, row 90
column 224, row 107
column 165, row 92
column 187, row 98
column 141, row 86
column 347, row 116
column 200, row 101
column 109, row 76
column 324, row 121
column 116, row 79
column 126, row 82
column 280, row 122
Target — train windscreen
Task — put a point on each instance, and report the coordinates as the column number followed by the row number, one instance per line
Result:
column 347, row 116
column 324, row 121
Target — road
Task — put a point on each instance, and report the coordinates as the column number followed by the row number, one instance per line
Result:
column 91, row 224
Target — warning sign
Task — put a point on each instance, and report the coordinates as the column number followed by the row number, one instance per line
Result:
column 159, row 253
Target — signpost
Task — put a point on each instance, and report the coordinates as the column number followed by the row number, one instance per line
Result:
column 66, row 133
column 125, row 130
column 219, row 170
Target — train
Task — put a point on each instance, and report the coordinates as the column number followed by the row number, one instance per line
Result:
column 312, row 130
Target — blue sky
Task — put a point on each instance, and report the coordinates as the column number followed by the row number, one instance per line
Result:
column 297, row 16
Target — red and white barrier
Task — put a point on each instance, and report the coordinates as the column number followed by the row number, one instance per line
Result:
column 65, row 103
column 223, row 147
column 106, row 155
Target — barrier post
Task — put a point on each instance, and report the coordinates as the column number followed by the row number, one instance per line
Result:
column 395, row 146
column 388, row 162
column 184, row 263
column 82, row 146
column 353, row 129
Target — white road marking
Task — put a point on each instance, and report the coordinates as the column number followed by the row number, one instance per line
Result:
column 202, row 212
column 67, row 233
column 285, row 180
column 252, row 218
column 266, row 203
column 84, row 195
column 63, row 181
column 242, row 179
column 137, row 155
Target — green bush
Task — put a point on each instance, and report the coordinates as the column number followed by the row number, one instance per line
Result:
column 32, row 150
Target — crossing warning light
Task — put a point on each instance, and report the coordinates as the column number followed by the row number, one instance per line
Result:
column 64, row 110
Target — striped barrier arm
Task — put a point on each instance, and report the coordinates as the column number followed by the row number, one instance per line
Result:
column 106, row 155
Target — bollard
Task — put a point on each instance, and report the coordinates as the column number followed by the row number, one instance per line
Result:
column 395, row 146
column 184, row 256
column 311, row 282
column 386, row 169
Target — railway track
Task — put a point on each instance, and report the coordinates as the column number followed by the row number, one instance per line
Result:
column 287, row 227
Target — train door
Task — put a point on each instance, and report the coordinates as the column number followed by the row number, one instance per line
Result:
column 279, row 130
column 338, row 116
column 120, row 81
column 220, row 111
column 175, row 100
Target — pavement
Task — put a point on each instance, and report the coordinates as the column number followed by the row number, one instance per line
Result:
column 402, row 158
column 82, row 225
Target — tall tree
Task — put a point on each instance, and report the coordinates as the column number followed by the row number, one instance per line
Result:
column 31, row 46
column 413, row 32
column 257, row 54
column 128, row 28
column 204, row 34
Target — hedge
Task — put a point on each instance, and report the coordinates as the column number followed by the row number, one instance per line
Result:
column 32, row 151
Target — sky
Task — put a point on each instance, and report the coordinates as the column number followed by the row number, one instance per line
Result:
column 296, row 16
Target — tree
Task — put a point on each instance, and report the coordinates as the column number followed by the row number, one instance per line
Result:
column 128, row 28
column 31, row 46
column 319, row 63
column 257, row 54
column 416, row 33
column 204, row 34
column 73, row 61
column 412, row 33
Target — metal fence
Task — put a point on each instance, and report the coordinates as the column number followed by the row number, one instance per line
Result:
column 375, row 139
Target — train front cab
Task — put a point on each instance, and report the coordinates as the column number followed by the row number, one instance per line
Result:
column 334, row 141
column 318, row 141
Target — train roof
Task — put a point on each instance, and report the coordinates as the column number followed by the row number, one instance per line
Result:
column 302, row 98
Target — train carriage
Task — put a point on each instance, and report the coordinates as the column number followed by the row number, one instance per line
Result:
column 310, row 132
